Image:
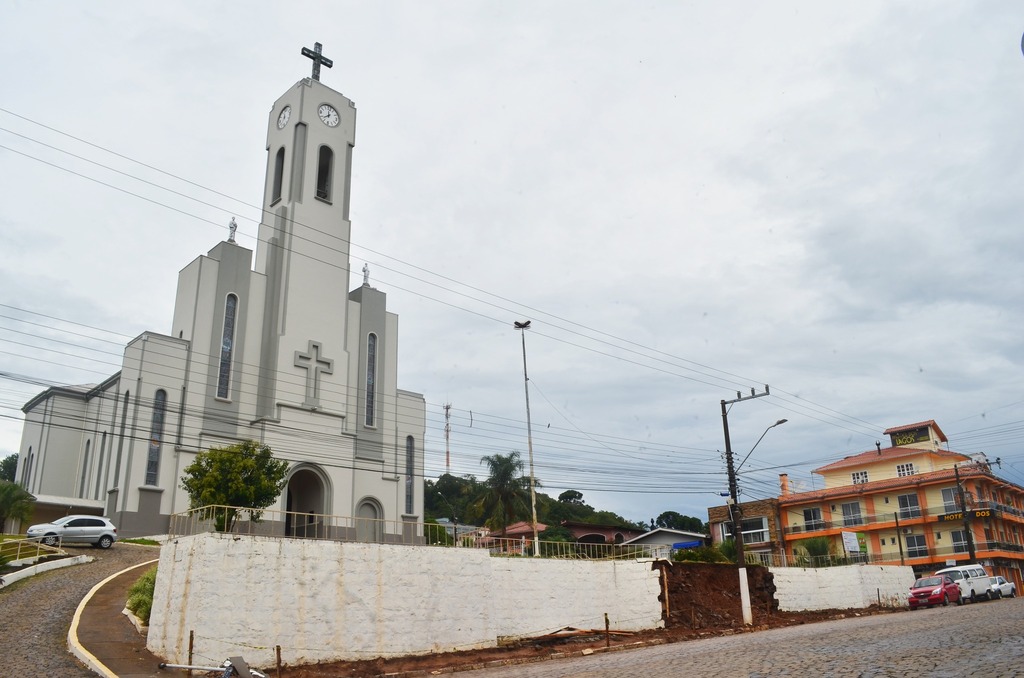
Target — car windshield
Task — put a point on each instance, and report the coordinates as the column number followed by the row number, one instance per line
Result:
column 927, row 581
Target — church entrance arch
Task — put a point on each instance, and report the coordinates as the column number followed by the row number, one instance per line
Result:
column 306, row 502
column 369, row 523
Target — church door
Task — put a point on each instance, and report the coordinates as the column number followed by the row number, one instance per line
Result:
column 369, row 527
column 305, row 505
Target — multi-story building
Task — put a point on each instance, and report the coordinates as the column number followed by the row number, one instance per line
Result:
column 905, row 504
column 759, row 525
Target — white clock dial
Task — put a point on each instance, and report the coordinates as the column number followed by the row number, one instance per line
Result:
column 282, row 119
column 328, row 115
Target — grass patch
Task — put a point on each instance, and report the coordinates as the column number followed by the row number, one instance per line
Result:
column 141, row 540
column 140, row 595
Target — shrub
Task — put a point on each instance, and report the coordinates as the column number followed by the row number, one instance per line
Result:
column 140, row 595
column 701, row 554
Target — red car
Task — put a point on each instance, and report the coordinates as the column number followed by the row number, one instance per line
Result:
column 937, row 589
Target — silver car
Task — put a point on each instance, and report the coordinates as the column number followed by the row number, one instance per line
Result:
column 76, row 530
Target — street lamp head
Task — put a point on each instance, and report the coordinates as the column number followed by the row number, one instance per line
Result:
column 780, row 422
column 525, row 325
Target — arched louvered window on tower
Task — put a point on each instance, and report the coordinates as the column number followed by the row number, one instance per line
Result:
column 156, row 436
column 275, row 189
column 371, row 378
column 227, row 343
column 324, row 173
column 84, row 482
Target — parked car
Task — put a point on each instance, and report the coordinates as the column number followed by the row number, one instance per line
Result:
column 76, row 530
column 973, row 580
column 938, row 589
column 1001, row 588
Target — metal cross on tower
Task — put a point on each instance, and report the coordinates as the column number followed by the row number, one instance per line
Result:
column 318, row 58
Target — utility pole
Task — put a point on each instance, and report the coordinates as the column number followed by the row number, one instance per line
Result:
column 966, row 514
column 737, row 522
column 447, row 435
column 522, row 327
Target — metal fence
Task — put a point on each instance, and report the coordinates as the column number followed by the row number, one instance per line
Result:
column 25, row 551
column 295, row 525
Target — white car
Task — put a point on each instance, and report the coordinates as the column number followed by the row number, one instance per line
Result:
column 76, row 530
column 1001, row 588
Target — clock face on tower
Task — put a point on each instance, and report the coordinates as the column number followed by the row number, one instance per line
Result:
column 328, row 115
column 282, row 119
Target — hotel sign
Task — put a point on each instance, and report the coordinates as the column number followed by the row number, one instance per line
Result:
column 910, row 436
column 959, row 515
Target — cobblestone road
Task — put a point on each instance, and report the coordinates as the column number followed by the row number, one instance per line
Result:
column 983, row 639
column 35, row 613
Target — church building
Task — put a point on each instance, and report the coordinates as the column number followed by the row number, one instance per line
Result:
column 270, row 348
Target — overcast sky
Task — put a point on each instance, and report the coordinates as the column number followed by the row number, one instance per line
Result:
column 686, row 199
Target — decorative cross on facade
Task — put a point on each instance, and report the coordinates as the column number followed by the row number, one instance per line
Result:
column 317, row 58
column 314, row 366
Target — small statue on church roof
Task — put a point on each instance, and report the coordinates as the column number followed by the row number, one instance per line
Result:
column 366, row 274
column 232, row 227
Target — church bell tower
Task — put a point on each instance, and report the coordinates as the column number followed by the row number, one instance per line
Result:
column 303, row 248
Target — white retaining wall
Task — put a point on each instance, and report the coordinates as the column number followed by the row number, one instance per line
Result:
column 848, row 587
column 330, row 601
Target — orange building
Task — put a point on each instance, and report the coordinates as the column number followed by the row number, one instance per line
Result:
column 904, row 504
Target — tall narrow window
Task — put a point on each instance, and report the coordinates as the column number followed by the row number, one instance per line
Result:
column 371, row 378
column 410, row 468
column 26, row 470
column 99, row 466
column 909, row 506
column 851, row 514
column 324, row 173
column 83, row 483
column 226, row 344
column 156, row 435
column 275, row 190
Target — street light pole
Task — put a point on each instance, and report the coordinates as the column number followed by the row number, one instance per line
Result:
column 737, row 522
column 522, row 327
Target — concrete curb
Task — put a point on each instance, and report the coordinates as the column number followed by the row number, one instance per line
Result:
column 27, row 572
column 74, row 646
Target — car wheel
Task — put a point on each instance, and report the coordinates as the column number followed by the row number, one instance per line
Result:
column 945, row 600
column 997, row 594
column 974, row 596
column 105, row 542
column 959, row 600
column 1013, row 592
column 50, row 540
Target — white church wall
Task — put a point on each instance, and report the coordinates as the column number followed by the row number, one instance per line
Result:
column 330, row 601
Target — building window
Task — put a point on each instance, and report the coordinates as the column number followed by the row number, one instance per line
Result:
column 371, row 378
column 904, row 470
column 959, row 541
column 860, row 477
column 909, row 506
column 99, row 466
column 324, row 173
column 83, row 484
column 155, row 437
column 226, row 347
column 950, row 500
column 275, row 191
column 754, row 530
column 812, row 520
column 26, row 469
column 410, row 470
column 851, row 514
column 916, row 546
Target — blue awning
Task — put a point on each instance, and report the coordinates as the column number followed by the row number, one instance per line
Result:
column 687, row 544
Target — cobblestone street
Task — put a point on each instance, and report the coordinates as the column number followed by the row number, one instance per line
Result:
column 982, row 639
column 35, row 613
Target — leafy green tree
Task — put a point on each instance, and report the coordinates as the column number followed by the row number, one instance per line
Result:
column 701, row 554
column 240, row 476
column 676, row 521
column 8, row 467
column 505, row 495
column 728, row 549
column 573, row 497
column 15, row 502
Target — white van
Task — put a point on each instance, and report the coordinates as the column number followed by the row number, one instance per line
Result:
column 973, row 580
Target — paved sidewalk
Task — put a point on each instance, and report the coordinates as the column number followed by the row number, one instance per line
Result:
column 105, row 640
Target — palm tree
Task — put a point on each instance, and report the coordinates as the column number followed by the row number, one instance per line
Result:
column 817, row 550
column 506, row 492
column 15, row 503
